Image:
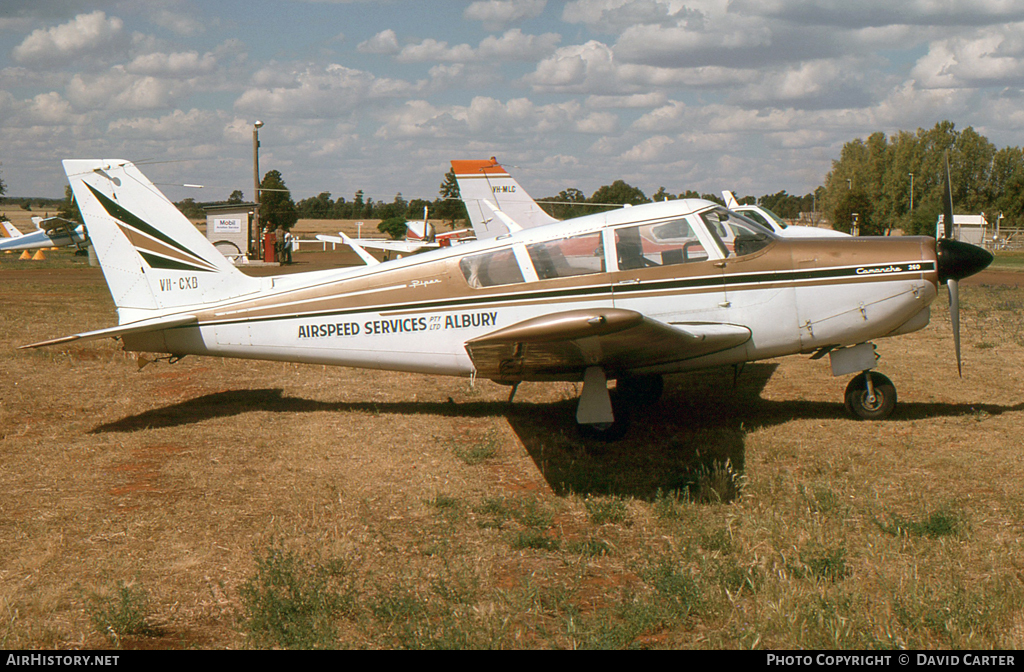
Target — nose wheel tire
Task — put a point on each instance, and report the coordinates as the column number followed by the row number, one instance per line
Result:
column 874, row 402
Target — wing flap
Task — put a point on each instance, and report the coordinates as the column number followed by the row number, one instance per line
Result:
column 155, row 324
column 565, row 344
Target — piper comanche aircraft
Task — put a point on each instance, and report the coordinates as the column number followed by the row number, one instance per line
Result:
column 631, row 295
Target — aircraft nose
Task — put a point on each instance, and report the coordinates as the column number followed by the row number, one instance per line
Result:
column 959, row 260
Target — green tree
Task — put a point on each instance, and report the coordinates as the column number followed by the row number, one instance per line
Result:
column 235, row 197
column 619, row 192
column 317, row 207
column 450, row 207
column 276, row 206
column 393, row 226
column 68, row 208
column 859, row 203
column 191, row 209
column 563, row 206
column 417, row 207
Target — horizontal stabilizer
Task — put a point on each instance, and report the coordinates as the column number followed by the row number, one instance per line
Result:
column 156, row 324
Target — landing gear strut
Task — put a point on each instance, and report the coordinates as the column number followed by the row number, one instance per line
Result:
column 603, row 416
column 870, row 396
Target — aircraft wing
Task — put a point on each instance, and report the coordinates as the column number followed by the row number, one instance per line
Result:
column 154, row 324
column 379, row 243
column 617, row 340
column 10, row 230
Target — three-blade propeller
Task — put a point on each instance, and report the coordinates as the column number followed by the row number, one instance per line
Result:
column 956, row 261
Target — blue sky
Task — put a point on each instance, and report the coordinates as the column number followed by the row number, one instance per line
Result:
column 751, row 95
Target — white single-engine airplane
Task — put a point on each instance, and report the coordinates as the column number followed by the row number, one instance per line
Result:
column 419, row 236
column 50, row 232
column 773, row 222
column 630, row 294
column 495, row 202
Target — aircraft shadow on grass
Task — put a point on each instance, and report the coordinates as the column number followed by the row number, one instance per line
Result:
column 694, row 437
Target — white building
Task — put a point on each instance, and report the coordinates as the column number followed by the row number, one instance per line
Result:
column 973, row 229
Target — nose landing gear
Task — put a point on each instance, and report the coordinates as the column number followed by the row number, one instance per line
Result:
column 870, row 396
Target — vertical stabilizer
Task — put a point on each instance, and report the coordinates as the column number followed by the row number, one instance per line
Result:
column 154, row 259
column 483, row 181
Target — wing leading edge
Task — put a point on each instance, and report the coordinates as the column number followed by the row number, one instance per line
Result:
column 552, row 346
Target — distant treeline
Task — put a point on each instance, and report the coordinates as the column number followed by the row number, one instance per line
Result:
column 574, row 203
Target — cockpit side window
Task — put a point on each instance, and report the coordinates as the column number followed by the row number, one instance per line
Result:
column 491, row 268
column 567, row 257
column 736, row 235
column 663, row 244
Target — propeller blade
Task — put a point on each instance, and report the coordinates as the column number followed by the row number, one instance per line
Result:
column 947, row 205
column 954, row 318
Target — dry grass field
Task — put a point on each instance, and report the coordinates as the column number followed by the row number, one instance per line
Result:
column 219, row 503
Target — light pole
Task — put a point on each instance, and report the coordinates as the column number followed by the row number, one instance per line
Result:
column 911, row 192
column 257, row 235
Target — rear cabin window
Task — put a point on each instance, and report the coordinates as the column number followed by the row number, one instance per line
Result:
column 491, row 269
column 662, row 244
column 568, row 257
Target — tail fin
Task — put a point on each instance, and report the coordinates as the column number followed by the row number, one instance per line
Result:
column 481, row 181
column 10, row 230
column 154, row 260
column 730, row 200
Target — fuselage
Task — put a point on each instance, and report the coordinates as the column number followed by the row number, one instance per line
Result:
column 677, row 262
column 42, row 239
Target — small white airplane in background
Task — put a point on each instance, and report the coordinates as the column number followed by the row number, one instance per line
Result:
column 770, row 220
column 629, row 295
column 50, row 232
column 420, row 235
column 496, row 203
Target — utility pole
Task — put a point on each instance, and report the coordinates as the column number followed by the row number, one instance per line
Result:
column 257, row 237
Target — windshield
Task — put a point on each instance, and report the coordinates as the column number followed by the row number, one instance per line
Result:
column 760, row 218
column 736, row 235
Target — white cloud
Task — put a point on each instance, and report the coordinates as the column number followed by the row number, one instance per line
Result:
column 179, row 22
column 431, row 50
column 315, row 92
column 118, row 89
column 173, row 126
column 180, row 64
column 614, row 16
column 576, row 68
column 601, row 123
column 993, row 56
column 384, row 42
column 86, row 34
column 653, row 149
column 498, row 13
column 50, row 109
column 513, row 45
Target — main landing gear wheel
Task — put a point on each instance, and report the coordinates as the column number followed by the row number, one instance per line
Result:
column 640, row 390
column 870, row 402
